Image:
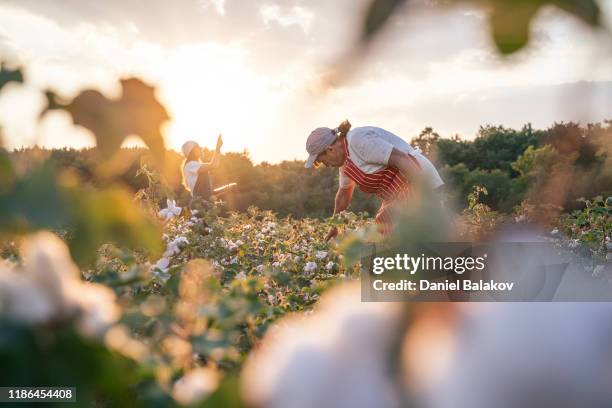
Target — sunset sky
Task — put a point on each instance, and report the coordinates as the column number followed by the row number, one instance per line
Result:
column 248, row 69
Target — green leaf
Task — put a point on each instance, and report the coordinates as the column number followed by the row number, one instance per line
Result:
column 509, row 23
column 377, row 15
column 509, row 20
column 109, row 215
column 40, row 200
column 7, row 75
column 34, row 202
column 136, row 112
column 354, row 248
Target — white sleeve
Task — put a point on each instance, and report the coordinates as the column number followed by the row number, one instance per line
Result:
column 431, row 173
column 343, row 180
column 191, row 173
column 371, row 148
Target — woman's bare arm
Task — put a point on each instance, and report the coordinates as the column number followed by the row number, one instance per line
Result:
column 344, row 195
column 214, row 163
column 343, row 198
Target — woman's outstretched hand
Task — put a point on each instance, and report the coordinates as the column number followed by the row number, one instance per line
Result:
column 219, row 142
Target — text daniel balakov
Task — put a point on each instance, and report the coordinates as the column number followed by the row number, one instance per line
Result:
column 425, row 285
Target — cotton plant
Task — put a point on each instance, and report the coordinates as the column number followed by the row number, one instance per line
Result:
column 171, row 210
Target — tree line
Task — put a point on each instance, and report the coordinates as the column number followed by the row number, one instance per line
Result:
column 508, row 162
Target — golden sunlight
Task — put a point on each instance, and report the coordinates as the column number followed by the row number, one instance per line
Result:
column 210, row 90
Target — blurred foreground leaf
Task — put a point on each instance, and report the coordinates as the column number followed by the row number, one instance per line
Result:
column 62, row 358
column 8, row 75
column 509, row 20
column 377, row 15
column 42, row 200
column 136, row 112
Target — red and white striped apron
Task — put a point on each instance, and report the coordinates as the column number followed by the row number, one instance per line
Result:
column 388, row 184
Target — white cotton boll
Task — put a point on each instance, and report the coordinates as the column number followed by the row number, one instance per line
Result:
column 297, row 258
column 180, row 241
column 310, row 266
column 554, row 231
column 171, row 249
column 170, row 211
column 162, row 264
column 260, row 268
column 48, row 264
column 598, row 270
column 520, row 219
column 239, row 242
column 276, row 264
column 96, row 306
column 195, row 386
column 330, row 265
column 514, row 355
column 241, row 276
column 49, row 287
column 321, row 254
column 234, row 260
column 335, row 357
column 23, row 301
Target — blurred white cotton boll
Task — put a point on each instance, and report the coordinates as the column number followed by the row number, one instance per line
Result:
column 310, row 266
column 49, row 287
column 96, row 308
column 321, row 255
column 338, row 356
column 22, row 300
column 523, row 355
column 195, row 386
column 48, row 264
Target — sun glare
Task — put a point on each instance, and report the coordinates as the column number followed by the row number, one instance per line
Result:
column 210, row 90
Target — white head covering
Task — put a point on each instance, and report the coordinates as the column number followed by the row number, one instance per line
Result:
column 188, row 147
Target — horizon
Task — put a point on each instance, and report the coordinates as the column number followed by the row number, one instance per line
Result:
column 137, row 144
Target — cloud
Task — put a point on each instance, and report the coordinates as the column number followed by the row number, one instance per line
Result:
column 296, row 15
column 219, row 5
column 430, row 67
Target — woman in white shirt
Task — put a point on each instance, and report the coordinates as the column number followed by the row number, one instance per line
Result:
column 196, row 174
column 374, row 159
